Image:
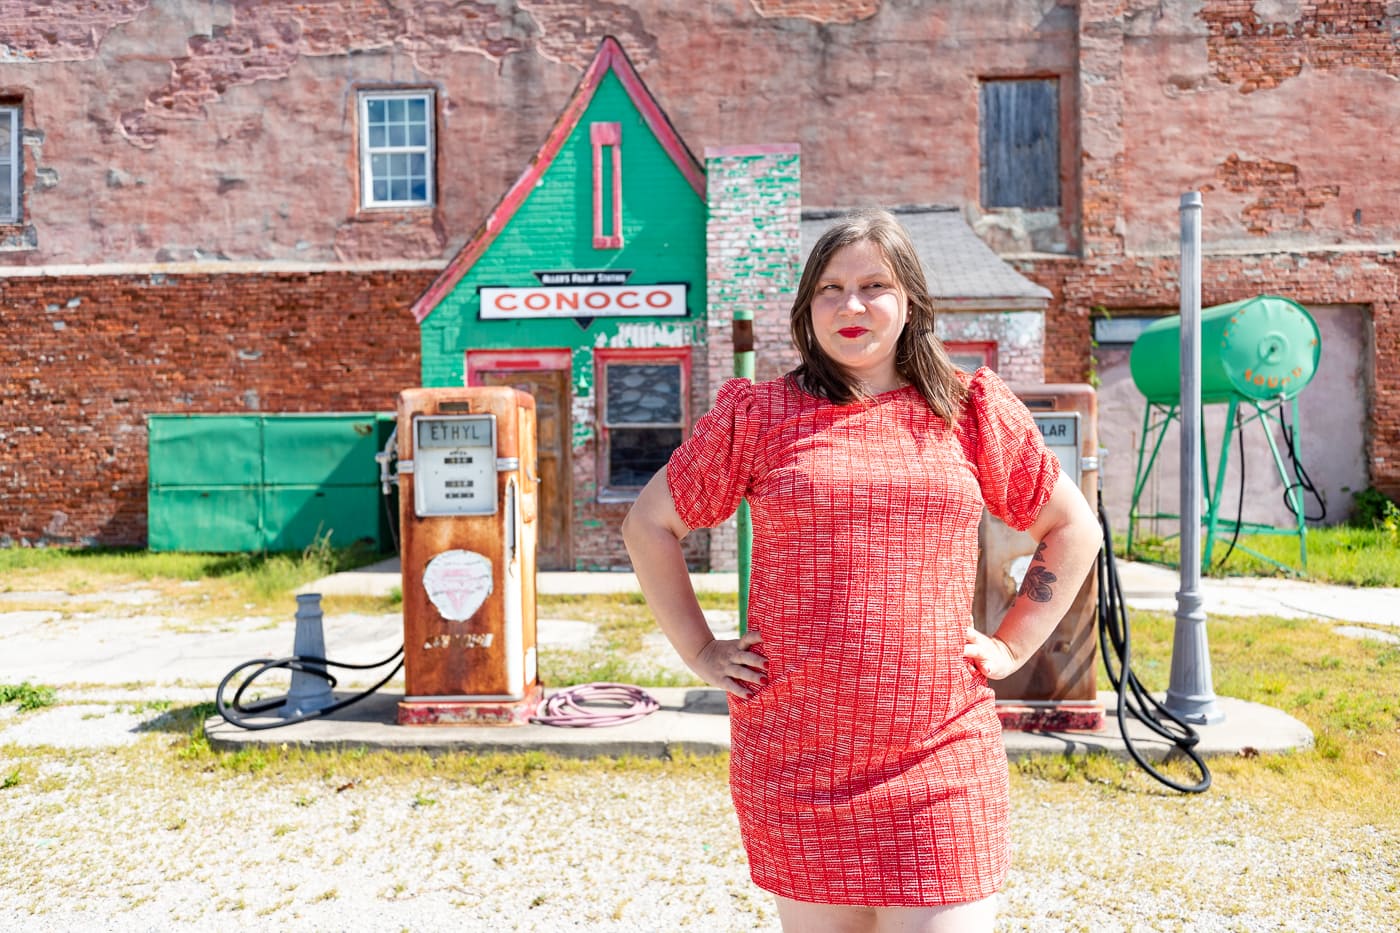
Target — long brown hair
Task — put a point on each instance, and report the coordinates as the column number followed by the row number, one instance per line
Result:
column 919, row 355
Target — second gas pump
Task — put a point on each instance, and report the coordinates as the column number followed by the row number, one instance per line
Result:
column 468, row 506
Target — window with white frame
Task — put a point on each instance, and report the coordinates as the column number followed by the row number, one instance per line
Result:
column 11, row 172
column 642, row 409
column 1020, row 143
column 396, row 148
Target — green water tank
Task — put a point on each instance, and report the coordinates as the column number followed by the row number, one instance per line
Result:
column 1264, row 347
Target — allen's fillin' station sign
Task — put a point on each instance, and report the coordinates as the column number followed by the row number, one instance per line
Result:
column 583, row 293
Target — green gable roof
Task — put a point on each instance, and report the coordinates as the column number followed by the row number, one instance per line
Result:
column 545, row 220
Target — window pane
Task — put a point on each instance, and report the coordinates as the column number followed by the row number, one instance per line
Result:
column 418, row 110
column 398, row 134
column 644, row 393
column 7, row 202
column 375, row 107
column 395, row 109
column 398, row 166
column 1020, row 143
column 7, row 129
column 419, row 189
column 635, row 454
column 376, row 136
column 381, row 190
column 379, row 165
column 417, row 165
column 418, row 134
column 398, row 189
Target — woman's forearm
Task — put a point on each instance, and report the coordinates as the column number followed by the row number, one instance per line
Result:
column 652, row 533
column 1057, row 571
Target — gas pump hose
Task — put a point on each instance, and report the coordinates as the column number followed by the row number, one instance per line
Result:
column 236, row 714
column 1114, row 634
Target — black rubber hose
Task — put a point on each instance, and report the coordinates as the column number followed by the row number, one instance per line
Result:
column 1114, row 633
column 234, row 712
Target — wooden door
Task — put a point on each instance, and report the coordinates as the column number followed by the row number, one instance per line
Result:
column 550, row 387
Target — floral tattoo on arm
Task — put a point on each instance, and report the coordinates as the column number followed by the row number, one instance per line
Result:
column 1036, row 584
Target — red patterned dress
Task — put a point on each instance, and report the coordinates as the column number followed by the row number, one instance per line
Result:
column 870, row 769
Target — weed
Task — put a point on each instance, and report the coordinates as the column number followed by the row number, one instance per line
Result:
column 10, row 780
column 27, row 695
column 422, row 800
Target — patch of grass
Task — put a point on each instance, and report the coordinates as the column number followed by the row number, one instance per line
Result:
column 1346, row 690
column 27, row 695
column 623, row 621
column 1340, row 554
column 262, row 579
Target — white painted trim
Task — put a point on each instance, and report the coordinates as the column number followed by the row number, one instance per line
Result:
column 16, row 160
column 428, row 150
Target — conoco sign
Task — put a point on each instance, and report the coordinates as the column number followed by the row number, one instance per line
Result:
column 583, row 301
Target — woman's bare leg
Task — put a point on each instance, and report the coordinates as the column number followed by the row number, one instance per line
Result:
column 969, row 917
column 802, row 917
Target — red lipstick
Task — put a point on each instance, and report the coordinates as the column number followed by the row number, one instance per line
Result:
column 851, row 331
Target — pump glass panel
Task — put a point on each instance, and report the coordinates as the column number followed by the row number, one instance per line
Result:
column 454, row 464
column 1060, row 431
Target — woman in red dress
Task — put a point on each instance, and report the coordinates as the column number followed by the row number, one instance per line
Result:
column 867, row 770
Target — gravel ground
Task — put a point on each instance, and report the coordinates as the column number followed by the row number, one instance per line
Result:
column 132, row 837
column 105, row 826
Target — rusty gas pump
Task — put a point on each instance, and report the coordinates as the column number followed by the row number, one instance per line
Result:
column 468, row 500
column 1056, row 689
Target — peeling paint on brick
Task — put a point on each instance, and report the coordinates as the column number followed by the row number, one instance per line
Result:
column 63, row 30
column 264, row 41
column 1260, row 45
column 1284, row 204
column 818, row 11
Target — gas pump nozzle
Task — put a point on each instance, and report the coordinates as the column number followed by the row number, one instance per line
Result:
column 386, row 479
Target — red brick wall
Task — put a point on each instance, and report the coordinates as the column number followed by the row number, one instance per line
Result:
column 86, row 358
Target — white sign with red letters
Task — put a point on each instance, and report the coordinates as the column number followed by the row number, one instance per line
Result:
column 583, row 301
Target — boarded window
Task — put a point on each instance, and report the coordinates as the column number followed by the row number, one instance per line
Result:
column 396, row 149
column 643, row 416
column 10, row 173
column 1020, row 140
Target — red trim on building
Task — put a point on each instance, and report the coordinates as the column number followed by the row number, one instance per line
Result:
column 607, row 140
column 610, row 57
column 518, row 360
column 987, row 349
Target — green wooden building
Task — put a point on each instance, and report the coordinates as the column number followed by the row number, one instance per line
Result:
column 586, row 286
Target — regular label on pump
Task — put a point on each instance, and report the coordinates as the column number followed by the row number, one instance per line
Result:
column 457, row 583
column 455, row 464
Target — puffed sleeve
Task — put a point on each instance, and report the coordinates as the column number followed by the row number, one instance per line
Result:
column 709, row 473
column 1015, row 469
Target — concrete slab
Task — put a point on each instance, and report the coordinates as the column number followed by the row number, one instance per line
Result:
column 697, row 720
column 1145, row 586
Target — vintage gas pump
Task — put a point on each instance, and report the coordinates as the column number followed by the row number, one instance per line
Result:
column 1056, row 689
column 468, row 495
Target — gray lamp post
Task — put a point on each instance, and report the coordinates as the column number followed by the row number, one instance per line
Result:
column 1190, row 694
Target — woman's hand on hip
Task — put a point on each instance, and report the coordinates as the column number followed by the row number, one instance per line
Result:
column 989, row 654
column 733, row 664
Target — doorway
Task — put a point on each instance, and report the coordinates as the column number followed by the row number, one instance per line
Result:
column 544, row 374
